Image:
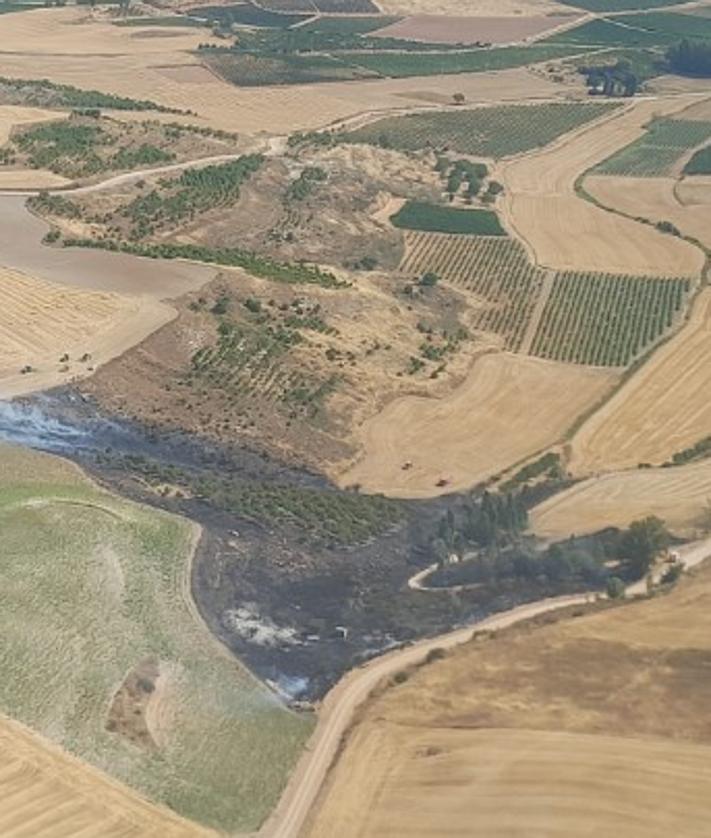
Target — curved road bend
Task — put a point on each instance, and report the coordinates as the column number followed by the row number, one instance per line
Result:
column 339, row 706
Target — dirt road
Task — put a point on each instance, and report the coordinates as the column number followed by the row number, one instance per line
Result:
column 340, row 704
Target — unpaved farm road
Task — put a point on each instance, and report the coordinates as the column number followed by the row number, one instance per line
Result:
column 339, row 706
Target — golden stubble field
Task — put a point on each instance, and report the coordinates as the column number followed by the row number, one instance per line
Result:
column 587, row 726
column 41, row 323
column 662, row 409
column 564, row 231
column 71, row 46
column 508, row 408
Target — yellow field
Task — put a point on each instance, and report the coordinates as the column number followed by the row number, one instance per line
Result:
column 662, row 409
column 40, row 322
column 47, row 793
column 680, row 495
column 566, row 232
column 508, row 408
column 52, row 44
column 587, row 726
column 657, row 199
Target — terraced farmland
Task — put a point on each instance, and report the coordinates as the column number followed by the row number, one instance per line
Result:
column 659, row 150
column 499, row 131
column 494, row 268
column 606, row 319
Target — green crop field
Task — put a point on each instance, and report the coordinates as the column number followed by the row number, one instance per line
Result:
column 498, row 131
column 348, row 25
column 659, row 150
column 93, row 585
column 246, row 14
column 494, row 269
column 432, row 218
column 700, row 163
column 653, row 29
column 605, row 319
column 403, row 65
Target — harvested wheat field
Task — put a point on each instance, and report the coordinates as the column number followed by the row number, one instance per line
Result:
column 436, row 29
column 41, row 323
column 12, row 116
column 694, row 191
column 508, row 408
column 700, row 111
column 52, row 44
column 47, row 793
column 664, row 408
column 566, row 232
column 680, row 495
column 657, row 199
column 548, row 729
column 31, row 179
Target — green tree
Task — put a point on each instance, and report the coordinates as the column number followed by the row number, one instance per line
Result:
column 642, row 543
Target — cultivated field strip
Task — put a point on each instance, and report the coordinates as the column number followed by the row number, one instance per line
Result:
column 499, row 131
column 606, row 319
column 582, row 318
column 659, row 150
column 494, row 268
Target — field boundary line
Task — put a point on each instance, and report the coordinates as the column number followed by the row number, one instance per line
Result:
column 537, row 313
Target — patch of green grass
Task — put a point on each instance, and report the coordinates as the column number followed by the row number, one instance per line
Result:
column 432, row 218
column 673, row 25
column 700, row 163
column 657, row 152
column 94, row 585
column 498, row 131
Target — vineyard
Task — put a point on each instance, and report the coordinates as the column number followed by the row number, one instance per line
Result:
column 659, row 150
column 700, row 163
column 585, row 318
column 416, row 215
column 498, row 131
column 495, row 269
column 605, row 319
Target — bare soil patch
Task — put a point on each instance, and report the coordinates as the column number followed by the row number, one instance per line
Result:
column 507, row 408
column 662, row 409
column 513, row 735
column 483, row 8
column 700, row 111
column 566, row 232
column 127, row 714
column 472, row 30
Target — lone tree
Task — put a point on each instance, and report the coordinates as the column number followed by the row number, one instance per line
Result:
column 459, row 98
column 642, row 543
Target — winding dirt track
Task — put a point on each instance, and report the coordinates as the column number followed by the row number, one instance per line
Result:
column 341, row 703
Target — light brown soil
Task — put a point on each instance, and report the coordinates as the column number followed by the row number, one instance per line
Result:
column 482, row 8
column 700, row 111
column 694, row 191
column 31, row 179
column 48, row 794
column 127, row 714
column 471, row 30
column 40, row 322
column 12, row 116
column 508, row 408
column 680, row 495
column 566, row 232
column 662, row 409
column 52, row 43
column 657, row 199
column 587, row 726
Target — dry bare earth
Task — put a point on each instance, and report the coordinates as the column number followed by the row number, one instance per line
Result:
column 480, row 8
column 508, row 408
column 657, row 199
column 53, row 44
column 470, row 30
column 592, row 726
column 47, row 793
column 566, row 232
column 662, row 409
column 41, row 321
column 680, row 495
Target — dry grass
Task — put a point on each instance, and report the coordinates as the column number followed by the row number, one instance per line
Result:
column 12, row 116
column 662, row 409
column 508, row 408
column 482, row 8
column 47, row 794
column 591, row 726
column 680, row 495
column 53, row 43
column 657, row 199
column 700, row 111
column 566, row 232
column 40, row 322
